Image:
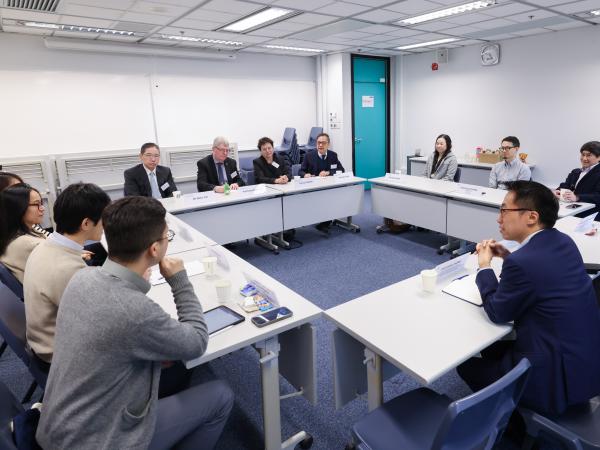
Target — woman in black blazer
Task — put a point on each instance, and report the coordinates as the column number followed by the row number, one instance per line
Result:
column 270, row 168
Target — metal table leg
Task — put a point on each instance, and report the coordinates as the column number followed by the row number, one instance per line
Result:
column 347, row 225
column 374, row 379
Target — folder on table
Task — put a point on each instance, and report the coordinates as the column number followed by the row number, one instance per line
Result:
column 465, row 289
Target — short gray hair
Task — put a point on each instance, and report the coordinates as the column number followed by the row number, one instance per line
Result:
column 220, row 140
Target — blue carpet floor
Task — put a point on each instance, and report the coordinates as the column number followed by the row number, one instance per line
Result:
column 327, row 271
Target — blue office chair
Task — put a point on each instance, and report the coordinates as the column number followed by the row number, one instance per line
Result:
column 13, row 328
column 425, row 420
column 9, row 408
column 247, row 167
column 289, row 147
column 577, row 429
column 11, row 281
column 312, row 141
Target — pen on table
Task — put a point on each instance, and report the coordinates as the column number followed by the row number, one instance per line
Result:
column 461, row 277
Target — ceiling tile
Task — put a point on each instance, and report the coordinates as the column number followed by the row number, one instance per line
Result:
column 342, row 9
column 146, row 18
column 526, row 17
column 548, row 2
column 506, row 10
column 434, row 25
column 370, row 3
column 85, row 22
column 467, row 19
column 197, row 24
column 161, row 9
column 402, row 32
column 388, row 44
column 412, row 7
column 213, row 16
column 429, row 37
column 498, row 37
column 381, row 15
column 268, row 32
column 306, row 5
column 380, row 37
column 531, row 32
column 466, row 29
column 90, row 11
column 290, row 27
column 333, row 39
column 352, row 35
column 378, row 29
column 123, row 5
column 494, row 23
column 311, row 19
column 567, row 25
column 586, row 5
column 232, row 6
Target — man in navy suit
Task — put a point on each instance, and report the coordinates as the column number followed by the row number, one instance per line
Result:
column 584, row 184
column 217, row 169
column 148, row 179
column 545, row 290
column 321, row 162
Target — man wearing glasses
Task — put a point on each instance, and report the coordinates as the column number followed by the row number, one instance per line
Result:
column 511, row 169
column 546, row 291
column 149, row 179
column 217, row 169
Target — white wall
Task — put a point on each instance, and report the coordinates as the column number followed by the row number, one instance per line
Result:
column 545, row 91
column 64, row 101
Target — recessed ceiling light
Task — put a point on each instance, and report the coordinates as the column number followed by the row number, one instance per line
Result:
column 296, row 49
column 427, row 44
column 260, row 18
column 595, row 13
column 204, row 40
column 78, row 28
column 459, row 9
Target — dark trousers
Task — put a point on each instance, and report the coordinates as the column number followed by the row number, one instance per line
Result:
column 481, row 372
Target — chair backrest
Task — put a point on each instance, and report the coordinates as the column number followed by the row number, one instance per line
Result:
column 312, row 138
column 478, row 420
column 457, row 175
column 9, row 408
column 11, row 281
column 286, row 141
column 12, row 323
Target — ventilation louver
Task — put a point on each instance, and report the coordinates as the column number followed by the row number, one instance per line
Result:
column 32, row 5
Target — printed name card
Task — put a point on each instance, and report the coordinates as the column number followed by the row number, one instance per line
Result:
column 344, row 175
column 305, row 181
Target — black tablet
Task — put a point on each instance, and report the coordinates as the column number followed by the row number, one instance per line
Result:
column 220, row 318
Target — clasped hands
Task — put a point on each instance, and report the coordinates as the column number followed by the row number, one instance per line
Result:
column 323, row 173
column 487, row 249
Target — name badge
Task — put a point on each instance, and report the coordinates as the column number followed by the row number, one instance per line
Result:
column 165, row 186
column 334, row 166
column 234, row 174
column 274, row 164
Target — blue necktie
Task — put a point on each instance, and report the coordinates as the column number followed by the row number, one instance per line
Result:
column 221, row 173
column 154, row 185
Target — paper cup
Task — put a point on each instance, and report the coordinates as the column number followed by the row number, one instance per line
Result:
column 209, row 263
column 223, row 287
column 429, row 279
column 563, row 193
column 177, row 194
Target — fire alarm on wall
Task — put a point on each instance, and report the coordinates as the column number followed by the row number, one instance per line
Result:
column 434, row 66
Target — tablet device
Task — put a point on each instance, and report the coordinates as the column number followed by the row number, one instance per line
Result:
column 220, row 318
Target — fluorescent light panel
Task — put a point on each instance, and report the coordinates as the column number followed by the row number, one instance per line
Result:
column 78, row 28
column 296, row 49
column 204, row 40
column 427, row 44
column 260, row 18
column 459, row 9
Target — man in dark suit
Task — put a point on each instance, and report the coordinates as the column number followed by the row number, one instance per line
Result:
column 149, row 179
column 584, row 184
column 217, row 169
column 321, row 162
column 545, row 290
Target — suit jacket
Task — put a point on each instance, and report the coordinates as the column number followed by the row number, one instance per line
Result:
column 137, row 182
column 313, row 163
column 267, row 173
column 446, row 169
column 588, row 189
column 545, row 289
column 207, row 173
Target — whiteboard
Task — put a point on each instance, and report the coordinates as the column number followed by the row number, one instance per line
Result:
column 45, row 112
column 194, row 109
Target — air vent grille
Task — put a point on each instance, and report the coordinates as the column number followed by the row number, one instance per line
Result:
column 32, row 5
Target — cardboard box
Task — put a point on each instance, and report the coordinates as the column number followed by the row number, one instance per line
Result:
column 490, row 158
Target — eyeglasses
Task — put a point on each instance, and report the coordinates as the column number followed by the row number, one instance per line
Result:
column 505, row 149
column 503, row 211
column 151, row 156
column 222, row 149
column 37, row 205
column 169, row 237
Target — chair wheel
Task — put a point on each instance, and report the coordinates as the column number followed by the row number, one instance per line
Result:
column 379, row 230
column 357, row 230
column 440, row 252
column 276, row 252
column 306, row 443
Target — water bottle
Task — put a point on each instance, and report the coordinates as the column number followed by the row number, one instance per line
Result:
column 226, row 189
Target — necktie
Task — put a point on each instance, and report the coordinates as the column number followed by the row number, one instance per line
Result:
column 154, row 185
column 323, row 157
column 221, row 173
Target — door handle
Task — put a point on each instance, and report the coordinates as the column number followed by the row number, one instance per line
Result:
column 357, row 140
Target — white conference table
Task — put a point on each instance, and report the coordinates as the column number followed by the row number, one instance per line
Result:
column 186, row 237
column 460, row 210
column 423, row 334
column 245, row 213
column 287, row 347
column 589, row 246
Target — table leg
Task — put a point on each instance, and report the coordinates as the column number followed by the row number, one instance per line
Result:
column 347, row 224
column 267, row 243
column 279, row 240
column 374, row 379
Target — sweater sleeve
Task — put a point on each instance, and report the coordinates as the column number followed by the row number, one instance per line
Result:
column 160, row 338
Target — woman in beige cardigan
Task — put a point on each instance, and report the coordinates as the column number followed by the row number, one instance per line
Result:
column 21, row 212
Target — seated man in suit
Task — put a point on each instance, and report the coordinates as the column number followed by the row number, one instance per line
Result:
column 584, row 184
column 546, row 291
column 149, row 179
column 511, row 169
column 270, row 168
column 321, row 162
column 217, row 169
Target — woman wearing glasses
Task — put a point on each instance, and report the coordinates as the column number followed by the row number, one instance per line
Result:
column 442, row 163
column 21, row 212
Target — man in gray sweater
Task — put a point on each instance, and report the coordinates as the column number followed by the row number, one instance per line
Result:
column 102, row 391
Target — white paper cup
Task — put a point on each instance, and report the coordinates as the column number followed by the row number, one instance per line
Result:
column 563, row 193
column 223, row 287
column 296, row 177
column 177, row 194
column 210, row 263
column 429, row 279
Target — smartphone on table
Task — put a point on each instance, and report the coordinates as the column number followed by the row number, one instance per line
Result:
column 272, row 316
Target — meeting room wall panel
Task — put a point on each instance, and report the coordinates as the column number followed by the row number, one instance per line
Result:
column 58, row 102
column 544, row 91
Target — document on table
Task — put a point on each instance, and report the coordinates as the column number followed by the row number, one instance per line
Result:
column 192, row 268
column 586, row 224
column 465, row 289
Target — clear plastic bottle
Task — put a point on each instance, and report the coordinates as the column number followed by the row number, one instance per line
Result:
column 226, row 189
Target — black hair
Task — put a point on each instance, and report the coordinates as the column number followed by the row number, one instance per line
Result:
column 323, row 134
column 513, row 140
column 593, row 147
column 148, row 145
column 437, row 158
column 6, row 179
column 131, row 225
column 264, row 140
column 535, row 196
column 14, row 201
column 76, row 203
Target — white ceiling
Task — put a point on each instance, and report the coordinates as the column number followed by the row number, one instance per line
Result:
column 334, row 26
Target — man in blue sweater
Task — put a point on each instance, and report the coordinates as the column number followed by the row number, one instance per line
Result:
column 102, row 391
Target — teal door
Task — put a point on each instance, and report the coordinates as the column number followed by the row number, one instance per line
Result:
column 371, row 116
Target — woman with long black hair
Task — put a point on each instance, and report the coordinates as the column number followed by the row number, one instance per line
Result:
column 442, row 163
